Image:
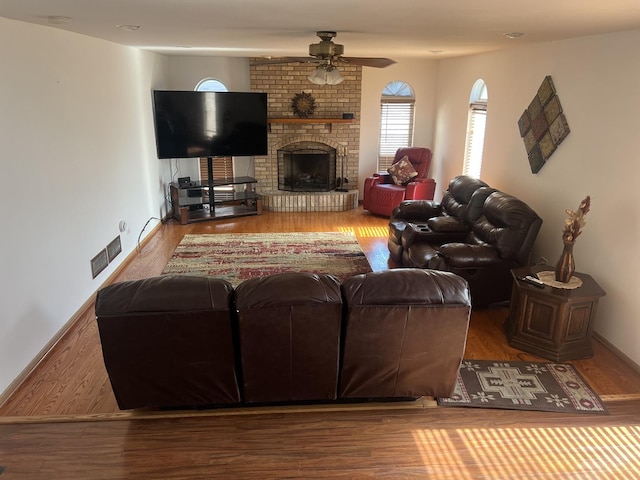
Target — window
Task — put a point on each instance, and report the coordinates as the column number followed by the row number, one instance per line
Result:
column 222, row 166
column 476, row 123
column 211, row 85
column 396, row 121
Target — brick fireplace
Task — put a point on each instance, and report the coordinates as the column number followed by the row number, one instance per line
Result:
column 325, row 130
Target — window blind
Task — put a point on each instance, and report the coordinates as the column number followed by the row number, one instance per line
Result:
column 475, row 139
column 396, row 130
column 222, row 168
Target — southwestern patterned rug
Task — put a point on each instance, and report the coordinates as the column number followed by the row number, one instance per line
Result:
column 550, row 387
column 239, row 256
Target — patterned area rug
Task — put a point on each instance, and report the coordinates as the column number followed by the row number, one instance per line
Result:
column 239, row 256
column 550, row 387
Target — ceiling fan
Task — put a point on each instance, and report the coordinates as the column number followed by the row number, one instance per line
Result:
column 328, row 54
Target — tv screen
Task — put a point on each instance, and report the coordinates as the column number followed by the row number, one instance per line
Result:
column 209, row 124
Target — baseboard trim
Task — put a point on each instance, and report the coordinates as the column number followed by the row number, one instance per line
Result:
column 633, row 365
column 51, row 344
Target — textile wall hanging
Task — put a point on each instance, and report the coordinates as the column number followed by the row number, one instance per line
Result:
column 542, row 125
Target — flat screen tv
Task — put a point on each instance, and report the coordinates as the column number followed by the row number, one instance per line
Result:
column 209, row 124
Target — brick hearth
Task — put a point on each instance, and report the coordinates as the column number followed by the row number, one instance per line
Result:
column 280, row 201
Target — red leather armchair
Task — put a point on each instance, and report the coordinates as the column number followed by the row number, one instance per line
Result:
column 382, row 195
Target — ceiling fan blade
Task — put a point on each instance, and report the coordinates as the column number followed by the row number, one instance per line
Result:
column 276, row 60
column 368, row 61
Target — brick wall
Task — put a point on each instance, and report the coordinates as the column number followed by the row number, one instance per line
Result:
column 281, row 82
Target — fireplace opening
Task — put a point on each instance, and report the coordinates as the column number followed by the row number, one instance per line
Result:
column 307, row 170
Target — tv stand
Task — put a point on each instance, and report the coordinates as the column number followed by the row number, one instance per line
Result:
column 214, row 199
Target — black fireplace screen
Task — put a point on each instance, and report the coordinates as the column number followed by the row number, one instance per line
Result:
column 307, row 170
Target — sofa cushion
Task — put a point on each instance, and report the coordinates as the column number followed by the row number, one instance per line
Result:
column 463, row 255
column 402, row 172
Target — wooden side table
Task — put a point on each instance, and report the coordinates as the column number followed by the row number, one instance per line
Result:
column 553, row 323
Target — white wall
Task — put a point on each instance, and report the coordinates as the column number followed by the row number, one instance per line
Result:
column 78, row 155
column 422, row 76
column 598, row 83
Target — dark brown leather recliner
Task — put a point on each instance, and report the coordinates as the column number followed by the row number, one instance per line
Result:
column 167, row 341
column 448, row 220
column 404, row 333
column 289, row 340
column 501, row 239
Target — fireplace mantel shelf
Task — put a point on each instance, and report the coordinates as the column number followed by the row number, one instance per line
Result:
column 328, row 121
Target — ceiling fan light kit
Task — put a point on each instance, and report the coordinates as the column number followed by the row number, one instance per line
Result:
column 328, row 54
column 325, row 74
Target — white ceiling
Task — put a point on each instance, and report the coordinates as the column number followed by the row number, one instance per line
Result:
column 375, row 28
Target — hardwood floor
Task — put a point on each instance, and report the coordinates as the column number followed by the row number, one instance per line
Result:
column 53, row 425
column 434, row 443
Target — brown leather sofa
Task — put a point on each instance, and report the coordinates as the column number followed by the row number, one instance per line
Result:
column 437, row 222
column 500, row 239
column 195, row 342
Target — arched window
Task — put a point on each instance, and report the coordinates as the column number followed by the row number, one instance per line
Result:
column 211, row 85
column 396, row 121
column 476, row 123
column 223, row 166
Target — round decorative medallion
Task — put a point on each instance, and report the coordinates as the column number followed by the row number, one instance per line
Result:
column 303, row 104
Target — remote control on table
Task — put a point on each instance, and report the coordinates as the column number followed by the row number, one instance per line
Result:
column 533, row 281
